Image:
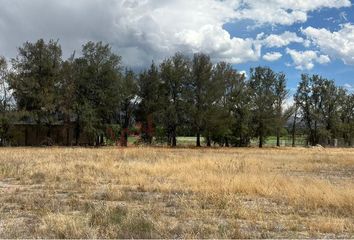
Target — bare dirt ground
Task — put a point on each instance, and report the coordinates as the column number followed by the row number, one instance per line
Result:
column 176, row 193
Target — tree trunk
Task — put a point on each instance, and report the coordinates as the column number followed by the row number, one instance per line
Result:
column 279, row 123
column 102, row 139
column 97, row 141
column 68, row 135
column 174, row 137
column 227, row 142
column 174, row 141
column 198, row 139
column 77, row 133
column 315, row 138
column 278, row 138
column 261, row 140
column 208, row 141
column 294, row 129
column 124, row 138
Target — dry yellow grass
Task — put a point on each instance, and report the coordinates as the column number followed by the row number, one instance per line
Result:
column 171, row 193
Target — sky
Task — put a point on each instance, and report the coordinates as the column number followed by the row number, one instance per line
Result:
column 291, row 36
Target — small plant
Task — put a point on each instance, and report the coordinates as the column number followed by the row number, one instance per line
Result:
column 118, row 215
column 138, row 226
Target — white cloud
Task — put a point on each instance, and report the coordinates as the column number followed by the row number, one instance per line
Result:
column 282, row 40
column 272, row 56
column 323, row 59
column 306, row 60
column 285, row 12
column 307, row 43
column 347, row 85
column 335, row 44
column 139, row 30
column 219, row 44
column 142, row 30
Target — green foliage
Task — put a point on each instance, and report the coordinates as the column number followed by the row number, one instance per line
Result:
column 262, row 86
column 128, row 90
column 35, row 79
column 6, row 123
column 325, row 109
column 182, row 96
column 346, row 115
column 201, row 93
column 149, row 89
column 281, row 94
column 97, row 88
column 229, row 86
column 175, row 75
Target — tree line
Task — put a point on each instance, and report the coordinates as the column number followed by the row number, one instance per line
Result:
column 182, row 96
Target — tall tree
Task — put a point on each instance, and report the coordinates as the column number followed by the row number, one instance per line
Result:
column 5, row 95
column 149, row 87
column 201, row 93
column 347, row 119
column 262, row 86
column 303, row 101
column 5, row 103
column 98, row 84
column 319, row 103
column 281, row 94
column 128, row 93
column 332, row 97
column 293, row 129
column 67, row 98
column 35, row 79
column 242, row 129
column 175, row 74
column 228, row 84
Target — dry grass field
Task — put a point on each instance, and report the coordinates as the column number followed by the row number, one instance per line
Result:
column 176, row 193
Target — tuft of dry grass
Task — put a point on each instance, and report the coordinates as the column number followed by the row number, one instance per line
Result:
column 331, row 225
column 60, row 226
column 176, row 193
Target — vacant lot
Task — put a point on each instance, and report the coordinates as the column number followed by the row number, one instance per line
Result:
column 172, row 193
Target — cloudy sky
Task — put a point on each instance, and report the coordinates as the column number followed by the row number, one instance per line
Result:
column 292, row 36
